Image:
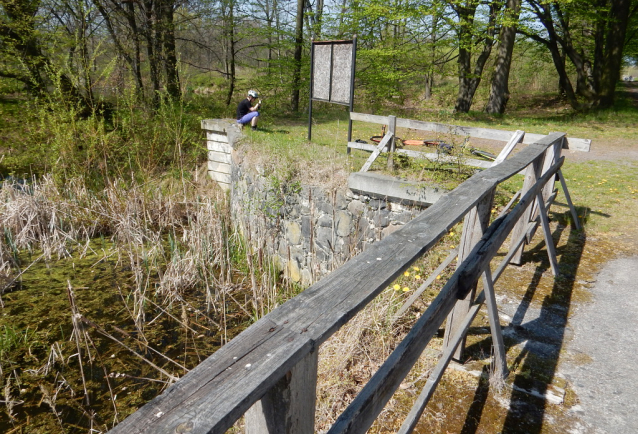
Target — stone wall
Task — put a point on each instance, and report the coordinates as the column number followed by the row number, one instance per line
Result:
column 306, row 230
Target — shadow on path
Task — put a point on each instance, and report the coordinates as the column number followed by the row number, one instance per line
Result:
column 540, row 332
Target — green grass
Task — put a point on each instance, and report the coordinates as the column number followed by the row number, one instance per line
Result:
column 12, row 339
column 606, row 194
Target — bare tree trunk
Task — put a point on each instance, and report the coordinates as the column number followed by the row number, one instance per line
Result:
column 468, row 79
column 616, row 31
column 168, row 39
column 152, row 47
column 429, row 79
column 230, row 50
column 135, row 60
column 132, row 61
column 296, row 73
column 499, row 93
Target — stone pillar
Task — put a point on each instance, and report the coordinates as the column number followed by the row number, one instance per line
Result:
column 221, row 138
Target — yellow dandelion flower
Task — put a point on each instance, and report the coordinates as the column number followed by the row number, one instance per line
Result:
column 406, row 289
column 397, row 287
column 438, row 277
column 406, row 274
column 451, row 247
column 415, row 268
column 417, row 277
column 451, row 234
column 493, row 211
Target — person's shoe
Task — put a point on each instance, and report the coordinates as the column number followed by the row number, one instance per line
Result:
column 254, row 127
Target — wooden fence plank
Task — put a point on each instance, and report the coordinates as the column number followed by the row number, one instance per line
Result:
column 500, row 361
column 549, row 241
column 474, row 225
column 289, row 406
column 487, row 133
column 479, row 133
column 569, row 200
column 384, row 142
column 516, row 243
column 516, row 138
column 435, row 376
column 213, row 395
column 373, row 119
column 425, row 155
column 532, row 174
column 392, row 129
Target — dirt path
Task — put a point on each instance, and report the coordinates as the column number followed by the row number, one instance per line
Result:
column 599, row 361
column 605, row 335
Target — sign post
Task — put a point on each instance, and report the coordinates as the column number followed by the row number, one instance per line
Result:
column 332, row 69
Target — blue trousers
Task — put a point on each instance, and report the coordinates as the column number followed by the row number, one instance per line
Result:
column 247, row 117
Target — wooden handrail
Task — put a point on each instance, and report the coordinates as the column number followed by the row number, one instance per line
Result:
column 362, row 412
column 212, row 396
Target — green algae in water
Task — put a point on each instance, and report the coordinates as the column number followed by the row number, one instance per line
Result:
column 42, row 365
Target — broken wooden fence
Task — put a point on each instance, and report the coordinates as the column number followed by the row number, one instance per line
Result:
column 387, row 144
column 269, row 371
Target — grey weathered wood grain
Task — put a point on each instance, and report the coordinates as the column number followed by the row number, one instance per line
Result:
column 474, row 225
column 289, row 406
column 373, row 119
column 500, row 360
column 212, row 396
column 547, row 232
column 487, row 133
column 382, row 145
column 572, row 209
column 516, row 138
column 532, row 174
column 392, row 129
column 516, row 243
column 425, row 155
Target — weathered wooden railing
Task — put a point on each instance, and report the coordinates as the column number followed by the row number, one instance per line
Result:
column 392, row 122
column 269, row 371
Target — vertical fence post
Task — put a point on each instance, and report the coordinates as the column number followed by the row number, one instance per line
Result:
column 500, row 360
column 552, row 155
column 474, row 225
column 569, row 200
column 289, row 406
column 531, row 175
column 392, row 129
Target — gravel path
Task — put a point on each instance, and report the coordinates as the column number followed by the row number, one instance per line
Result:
column 606, row 330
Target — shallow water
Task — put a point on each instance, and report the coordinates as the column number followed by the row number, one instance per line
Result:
column 44, row 380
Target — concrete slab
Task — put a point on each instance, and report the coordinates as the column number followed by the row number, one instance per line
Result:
column 396, row 189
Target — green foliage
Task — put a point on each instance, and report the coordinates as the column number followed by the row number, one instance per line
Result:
column 12, row 339
column 128, row 140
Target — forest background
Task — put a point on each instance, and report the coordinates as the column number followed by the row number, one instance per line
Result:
column 115, row 66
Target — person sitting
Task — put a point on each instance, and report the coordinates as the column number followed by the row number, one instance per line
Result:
column 246, row 112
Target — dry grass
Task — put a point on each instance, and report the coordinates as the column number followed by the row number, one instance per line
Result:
column 186, row 265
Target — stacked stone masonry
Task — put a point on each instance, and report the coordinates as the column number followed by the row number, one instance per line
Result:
column 305, row 230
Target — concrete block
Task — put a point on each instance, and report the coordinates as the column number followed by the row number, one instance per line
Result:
column 396, row 189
